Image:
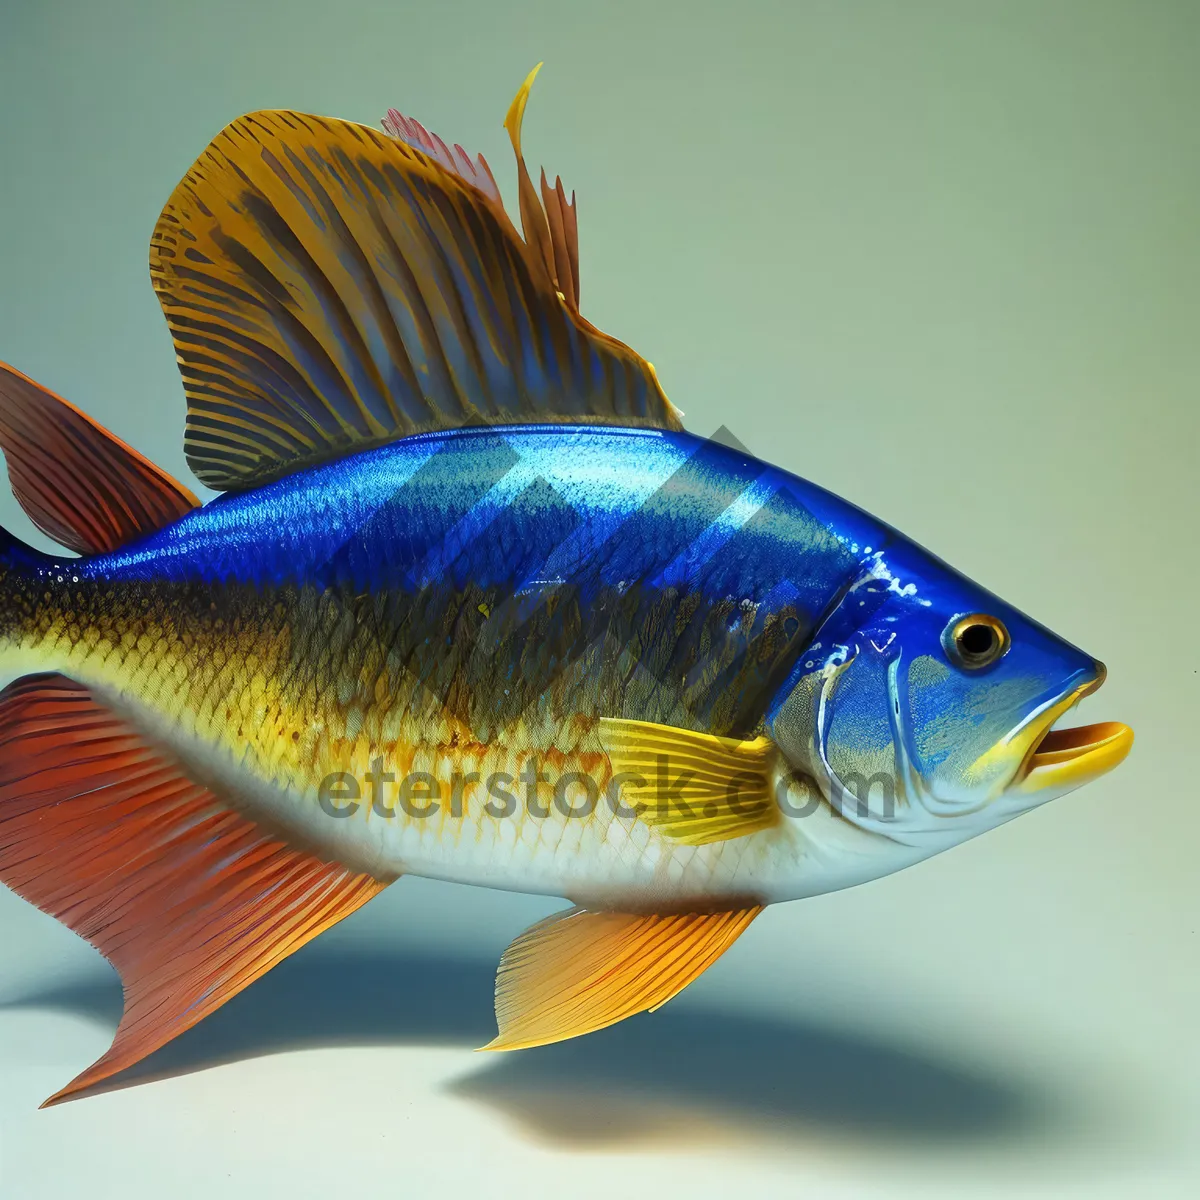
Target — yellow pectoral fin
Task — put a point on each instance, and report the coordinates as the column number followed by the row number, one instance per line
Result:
column 580, row 971
column 694, row 788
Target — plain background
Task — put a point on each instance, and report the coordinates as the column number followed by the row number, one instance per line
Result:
column 943, row 258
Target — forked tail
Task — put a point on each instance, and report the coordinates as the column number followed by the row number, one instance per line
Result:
column 188, row 898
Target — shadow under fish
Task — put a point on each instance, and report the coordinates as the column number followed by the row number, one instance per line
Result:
column 669, row 1078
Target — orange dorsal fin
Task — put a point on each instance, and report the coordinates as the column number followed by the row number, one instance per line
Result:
column 187, row 898
column 549, row 225
column 474, row 171
column 331, row 288
column 580, row 971
column 78, row 483
column 564, row 239
column 551, row 236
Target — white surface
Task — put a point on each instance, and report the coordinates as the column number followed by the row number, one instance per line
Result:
column 876, row 1043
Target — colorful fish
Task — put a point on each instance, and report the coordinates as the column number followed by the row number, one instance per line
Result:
column 473, row 606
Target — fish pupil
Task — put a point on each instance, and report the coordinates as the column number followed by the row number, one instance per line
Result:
column 977, row 641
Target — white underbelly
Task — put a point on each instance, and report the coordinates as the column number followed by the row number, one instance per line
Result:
column 576, row 848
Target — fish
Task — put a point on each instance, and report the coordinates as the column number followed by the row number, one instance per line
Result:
column 471, row 605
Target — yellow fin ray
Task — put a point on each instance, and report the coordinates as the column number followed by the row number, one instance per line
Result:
column 579, row 971
column 694, row 788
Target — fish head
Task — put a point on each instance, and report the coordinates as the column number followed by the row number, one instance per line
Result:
column 929, row 710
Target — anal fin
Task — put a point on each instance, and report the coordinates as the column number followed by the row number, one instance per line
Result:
column 579, row 971
column 188, row 899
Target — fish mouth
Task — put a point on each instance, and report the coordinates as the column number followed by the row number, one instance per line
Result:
column 1067, row 758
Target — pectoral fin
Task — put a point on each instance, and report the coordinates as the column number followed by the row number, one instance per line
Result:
column 694, row 788
column 190, row 900
column 580, row 971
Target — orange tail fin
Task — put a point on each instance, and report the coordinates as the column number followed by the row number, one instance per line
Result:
column 187, row 898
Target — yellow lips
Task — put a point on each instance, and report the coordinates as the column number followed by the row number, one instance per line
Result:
column 1069, row 758
column 1073, row 757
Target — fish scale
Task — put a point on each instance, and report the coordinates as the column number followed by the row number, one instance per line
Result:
column 279, row 684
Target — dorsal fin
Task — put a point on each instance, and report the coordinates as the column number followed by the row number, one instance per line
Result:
column 564, row 239
column 549, row 226
column 78, row 483
column 331, row 288
column 474, row 170
column 551, row 229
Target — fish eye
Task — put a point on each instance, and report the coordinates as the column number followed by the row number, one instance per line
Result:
column 976, row 641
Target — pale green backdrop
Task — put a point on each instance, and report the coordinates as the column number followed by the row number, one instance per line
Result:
column 943, row 258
